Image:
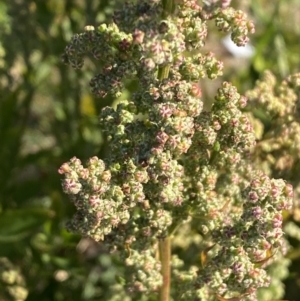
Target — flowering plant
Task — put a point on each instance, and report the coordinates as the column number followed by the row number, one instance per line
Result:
column 173, row 166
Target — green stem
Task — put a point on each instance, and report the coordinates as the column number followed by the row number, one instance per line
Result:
column 165, row 243
column 168, row 9
column 168, row 6
column 163, row 72
column 165, row 258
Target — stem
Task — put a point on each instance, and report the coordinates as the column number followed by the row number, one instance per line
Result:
column 163, row 72
column 168, row 9
column 165, row 243
column 165, row 258
column 168, row 6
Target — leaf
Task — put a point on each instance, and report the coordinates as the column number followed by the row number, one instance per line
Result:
column 18, row 224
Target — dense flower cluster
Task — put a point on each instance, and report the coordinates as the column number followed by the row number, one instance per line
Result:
column 169, row 160
column 229, row 20
column 255, row 236
column 144, row 271
column 140, row 41
column 98, row 201
column 243, row 245
column 12, row 282
column 279, row 149
column 277, row 100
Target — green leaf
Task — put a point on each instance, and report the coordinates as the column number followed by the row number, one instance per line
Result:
column 18, row 224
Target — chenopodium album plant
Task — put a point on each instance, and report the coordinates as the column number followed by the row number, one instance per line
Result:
column 172, row 163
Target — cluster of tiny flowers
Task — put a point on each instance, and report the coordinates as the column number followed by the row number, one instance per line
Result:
column 139, row 42
column 278, row 271
column 144, row 272
column 12, row 282
column 230, row 20
column 168, row 158
column 248, row 242
column 228, row 125
column 98, row 201
column 214, row 161
column 200, row 66
column 277, row 100
column 279, row 147
column 112, row 48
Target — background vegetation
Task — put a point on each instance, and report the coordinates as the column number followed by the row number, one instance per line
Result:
column 48, row 115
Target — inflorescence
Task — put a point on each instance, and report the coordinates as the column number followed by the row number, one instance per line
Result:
column 170, row 160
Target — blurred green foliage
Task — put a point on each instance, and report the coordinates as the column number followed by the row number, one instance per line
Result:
column 47, row 116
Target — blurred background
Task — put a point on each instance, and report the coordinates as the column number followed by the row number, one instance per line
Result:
column 48, row 115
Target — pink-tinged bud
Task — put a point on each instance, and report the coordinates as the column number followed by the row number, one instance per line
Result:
column 100, row 215
column 278, row 232
column 234, row 122
column 154, row 92
column 178, row 201
column 71, row 186
column 165, row 111
column 65, row 168
column 94, row 201
column 156, row 150
column 225, row 3
column 277, row 220
column 243, row 101
column 255, row 184
column 216, row 125
column 173, row 141
column 75, row 161
column 162, row 137
column 255, row 273
column 138, row 36
column 115, row 220
column 84, row 174
column 98, row 188
column 196, row 90
column 237, row 267
column 235, row 158
column 93, row 161
column 289, row 190
column 126, row 188
column 252, row 196
column 149, row 64
column 257, row 212
column 141, row 176
column 106, row 176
